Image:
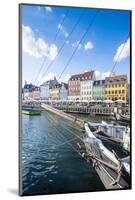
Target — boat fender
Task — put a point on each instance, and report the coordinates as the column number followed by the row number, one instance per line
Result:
column 78, row 145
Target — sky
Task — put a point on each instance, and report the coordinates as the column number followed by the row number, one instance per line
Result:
column 51, row 35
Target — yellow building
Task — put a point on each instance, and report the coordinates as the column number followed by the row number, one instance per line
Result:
column 116, row 87
column 54, row 92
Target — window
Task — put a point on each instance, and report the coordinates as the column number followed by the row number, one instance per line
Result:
column 119, row 91
column 115, row 91
column 123, row 91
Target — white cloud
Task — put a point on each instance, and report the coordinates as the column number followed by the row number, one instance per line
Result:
column 53, row 52
column 66, row 78
column 122, row 51
column 59, row 26
column 48, row 9
column 88, row 45
column 63, row 30
column 67, row 41
column 37, row 47
column 101, row 75
column 75, row 44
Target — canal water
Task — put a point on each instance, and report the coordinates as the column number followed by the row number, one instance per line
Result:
column 49, row 164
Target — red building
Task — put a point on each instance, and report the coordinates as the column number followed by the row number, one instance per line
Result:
column 74, row 87
column 36, row 93
column 74, row 84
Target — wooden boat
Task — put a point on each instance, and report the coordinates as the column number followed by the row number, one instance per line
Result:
column 113, row 167
column 31, row 111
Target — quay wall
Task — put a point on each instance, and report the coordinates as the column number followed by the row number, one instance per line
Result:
column 82, row 109
column 66, row 116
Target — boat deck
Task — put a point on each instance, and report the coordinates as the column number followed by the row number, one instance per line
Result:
column 111, row 145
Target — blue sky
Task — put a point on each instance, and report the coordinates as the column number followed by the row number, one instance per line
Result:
column 98, row 51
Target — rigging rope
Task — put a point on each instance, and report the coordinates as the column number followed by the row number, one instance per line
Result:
column 80, row 41
column 62, row 46
column 55, row 37
column 91, row 156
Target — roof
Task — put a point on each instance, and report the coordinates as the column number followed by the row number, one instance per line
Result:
column 28, row 86
column 50, row 82
column 117, row 77
column 58, row 85
column 98, row 82
column 83, row 76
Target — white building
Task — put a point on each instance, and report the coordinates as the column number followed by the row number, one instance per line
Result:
column 87, row 90
column 87, row 79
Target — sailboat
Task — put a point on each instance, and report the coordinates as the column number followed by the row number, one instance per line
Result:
column 110, row 161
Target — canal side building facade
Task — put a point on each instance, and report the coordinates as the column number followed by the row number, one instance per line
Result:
column 64, row 91
column 54, row 92
column 58, row 91
column 74, row 87
column 99, row 90
column 87, row 79
column 80, row 86
column 36, row 93
column 116, row 88
column 27, row 91
column 44, row 88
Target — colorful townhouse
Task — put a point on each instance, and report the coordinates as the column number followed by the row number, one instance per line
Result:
column 27, row 91
column 36, row 93
column 64, row 91
column 58, row 91
column 54, row 92
column 74, row 87
column 87, row 79
column 80, row 86
column 116, row 87
column 44, row 88
column 99, row 90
